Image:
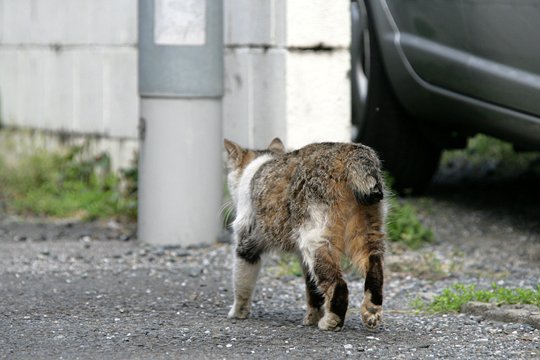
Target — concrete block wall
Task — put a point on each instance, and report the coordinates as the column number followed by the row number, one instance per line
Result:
column 287, row 71
column 70, row 66
column 254, row 108
column 318, row 97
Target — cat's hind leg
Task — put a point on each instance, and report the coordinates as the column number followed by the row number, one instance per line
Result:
column 247, row 264
column 321, row 257
column 371, row 308
column 327, row 272
column 366, row 250
column 314, row 299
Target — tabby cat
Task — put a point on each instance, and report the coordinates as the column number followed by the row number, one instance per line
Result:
column 322, row 202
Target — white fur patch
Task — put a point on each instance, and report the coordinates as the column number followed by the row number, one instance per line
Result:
column 243, row 200
column 244, row 279
column 310, row 235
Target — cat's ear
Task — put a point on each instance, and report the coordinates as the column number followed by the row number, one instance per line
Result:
column 277, row 146
column 234, row 150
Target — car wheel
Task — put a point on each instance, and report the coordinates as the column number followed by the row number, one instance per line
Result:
column 381, row 122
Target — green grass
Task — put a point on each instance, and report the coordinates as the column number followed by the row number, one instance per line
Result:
column 404, row 226
column 453, row 298
column 402, row 223
column 483, row 152
column 68, row 184
column 289, row 265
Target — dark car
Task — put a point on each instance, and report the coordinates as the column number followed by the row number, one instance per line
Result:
column 427, row 74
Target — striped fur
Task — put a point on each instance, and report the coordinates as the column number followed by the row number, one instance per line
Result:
column 322, row 202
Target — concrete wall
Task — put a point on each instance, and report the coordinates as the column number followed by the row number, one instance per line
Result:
column 70, row 65
column 287, row 71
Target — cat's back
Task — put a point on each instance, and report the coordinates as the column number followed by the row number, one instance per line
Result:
column 316, row 154
column 327, row 163
column 282, row 168
column 312, row 170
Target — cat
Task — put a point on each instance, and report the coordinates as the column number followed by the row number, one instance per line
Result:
column 321, row 202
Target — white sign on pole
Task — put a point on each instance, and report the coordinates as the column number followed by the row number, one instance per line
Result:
column 180, row 22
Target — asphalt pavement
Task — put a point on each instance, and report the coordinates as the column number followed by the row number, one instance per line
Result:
column 72, row 290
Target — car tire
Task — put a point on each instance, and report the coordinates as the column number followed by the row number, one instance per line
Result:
column 381, row 122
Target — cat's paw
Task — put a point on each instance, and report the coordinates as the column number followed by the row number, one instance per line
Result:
column 238, row 312
column 330, row 321
column 312, row 316
column 371, row 316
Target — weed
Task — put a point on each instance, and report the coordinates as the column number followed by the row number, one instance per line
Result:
column 418, row 304
column 69, row 184
column 453, row 298
column 288, row 265
column 485, row 154
column 405, row 227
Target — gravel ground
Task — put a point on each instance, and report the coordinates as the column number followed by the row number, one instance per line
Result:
column 87, row 290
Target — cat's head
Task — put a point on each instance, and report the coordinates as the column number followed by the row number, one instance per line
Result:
column 238, row 158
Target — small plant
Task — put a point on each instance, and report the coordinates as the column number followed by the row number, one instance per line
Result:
column 66, row 185
column 485, row 154
column 289, row 265
column 405, row 227
column 452, row 299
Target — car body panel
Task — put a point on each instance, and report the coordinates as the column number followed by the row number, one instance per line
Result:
column 441, row 72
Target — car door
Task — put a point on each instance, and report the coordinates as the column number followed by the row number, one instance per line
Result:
column 504, row 52
column 484, row 49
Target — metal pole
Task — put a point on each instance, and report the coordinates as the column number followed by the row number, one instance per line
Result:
column 181, row 85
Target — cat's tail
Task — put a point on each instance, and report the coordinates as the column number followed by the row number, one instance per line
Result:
column 365, row 176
